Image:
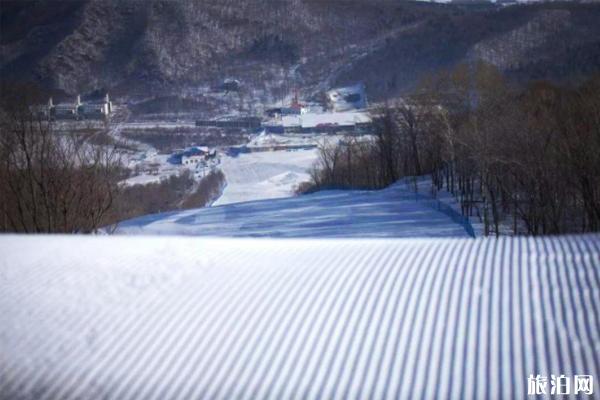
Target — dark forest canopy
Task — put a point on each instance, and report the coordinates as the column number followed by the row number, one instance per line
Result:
column 138, row 49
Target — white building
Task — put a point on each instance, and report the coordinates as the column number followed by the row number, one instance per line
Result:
column 64, row 110
column 325, row 122
column 78, row 110
column 348, row 98
column 96, row 109
column 192, row 159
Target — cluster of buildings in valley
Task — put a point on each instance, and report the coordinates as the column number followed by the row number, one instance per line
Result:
column 346, row 113
column 93, row 109
column 325, row 122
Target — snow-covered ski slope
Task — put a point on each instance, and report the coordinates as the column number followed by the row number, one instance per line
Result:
column 391, row 212
column 264, row 175
column 199, row 318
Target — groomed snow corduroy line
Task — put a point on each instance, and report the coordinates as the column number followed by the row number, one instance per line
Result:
column 171, row 317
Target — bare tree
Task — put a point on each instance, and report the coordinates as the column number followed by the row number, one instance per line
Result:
column 527, row 157
column 50, row 181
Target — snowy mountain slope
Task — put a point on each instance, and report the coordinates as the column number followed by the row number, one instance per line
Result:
column 177, row 49
column 180, row 318
column 391, row 212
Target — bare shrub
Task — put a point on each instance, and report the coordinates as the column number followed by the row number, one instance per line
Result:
column 208, row 190
column 178, row 192
column 527, row 157
column 134, row 201
column 50, row 181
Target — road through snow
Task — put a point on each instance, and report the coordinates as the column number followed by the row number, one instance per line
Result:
column 195, row 318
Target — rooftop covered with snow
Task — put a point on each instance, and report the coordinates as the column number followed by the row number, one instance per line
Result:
column 313, row 120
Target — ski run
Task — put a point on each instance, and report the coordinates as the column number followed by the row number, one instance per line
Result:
column 396, row 211
column 222, row 318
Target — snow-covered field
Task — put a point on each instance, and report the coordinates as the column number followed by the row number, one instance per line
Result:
column 264, row 175
column 159, row 124
column 391, row 212
column 194, row 318
column 293, row 139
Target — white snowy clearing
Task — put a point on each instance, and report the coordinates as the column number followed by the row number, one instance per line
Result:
column 195, row 318
column 265, row 139
column 264, row 175
column 391, row 212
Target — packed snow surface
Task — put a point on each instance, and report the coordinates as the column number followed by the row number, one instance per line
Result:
column 265, row 139
column 264, row 175
column 197, row 318
column 312, row 120
column 391, row 212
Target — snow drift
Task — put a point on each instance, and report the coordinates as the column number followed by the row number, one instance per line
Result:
column 180, row 318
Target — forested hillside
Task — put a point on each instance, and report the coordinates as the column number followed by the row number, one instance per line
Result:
column 141, row 48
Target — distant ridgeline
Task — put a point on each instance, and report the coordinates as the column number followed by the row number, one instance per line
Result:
column 256, row 48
